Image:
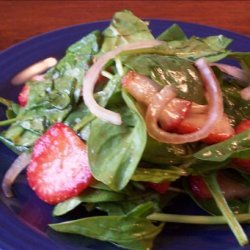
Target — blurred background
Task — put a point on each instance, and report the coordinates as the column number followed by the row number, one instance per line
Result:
column 20, row 20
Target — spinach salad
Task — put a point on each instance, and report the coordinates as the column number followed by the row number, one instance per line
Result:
column 126, row 122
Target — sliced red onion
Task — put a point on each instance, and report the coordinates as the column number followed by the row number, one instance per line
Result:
column 245, row 93
column 215, row 109
column 94, row 72
column 238, row 73
column 15, row 169
column 33, row 70
column 232, row 70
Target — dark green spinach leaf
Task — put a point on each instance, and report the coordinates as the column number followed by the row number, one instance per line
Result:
column 173, row 71
column 158, row 175
column 52, row 99
column 173, row 33
column 162, row 153
column 237, row 146
column 124, row 28
column 131, row 231
column 114, row 158
column 89, row 196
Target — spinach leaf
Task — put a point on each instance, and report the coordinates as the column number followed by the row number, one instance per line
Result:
column 158, row 175
column 142, row 210
column 131, row 231
column 114, row 159
column 200, row 167
column 75, row 117
column 237, row 146
column 236, row 107
column 12, row 108
column 80, row 117
column 17, row 139
column 76, row 62
column 162, row 153
column 52, row 99
column 124, row 28
column 243, row 57
column 90, row 196
column 173, row 33
column 113, row 87
column 132, row 201
column 212, row 47
column 173, row 71
column 134, row 198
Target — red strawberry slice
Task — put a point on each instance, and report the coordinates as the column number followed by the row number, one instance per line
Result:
column 174, row 112
column 243, row 164
column 222, row 130
column 242, row 126
column 141, row 87
column 230, row 188
column 59, row 167
column 199, row 188
column 23, row 95
column 161, row 187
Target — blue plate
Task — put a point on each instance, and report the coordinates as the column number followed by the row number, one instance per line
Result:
column 24, row 218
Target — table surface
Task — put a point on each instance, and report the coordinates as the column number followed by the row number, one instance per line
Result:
column 20, row 20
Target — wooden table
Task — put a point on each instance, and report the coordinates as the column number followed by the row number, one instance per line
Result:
column 20, row 20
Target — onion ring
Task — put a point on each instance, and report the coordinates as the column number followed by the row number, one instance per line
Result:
column 94, row 72
column 245, row 93
column 236, row 72
column 33, row 70
column 215, row 109
column 15, row 169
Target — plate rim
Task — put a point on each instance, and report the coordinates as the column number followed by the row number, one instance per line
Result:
column 60, row 29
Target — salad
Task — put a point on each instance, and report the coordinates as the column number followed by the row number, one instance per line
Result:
column 126, row 123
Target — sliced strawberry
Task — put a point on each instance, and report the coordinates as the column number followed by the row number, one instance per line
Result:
column 140, row 87
column 242, row 126
column 222, row 130
column 59, row 167
column 23, row 95
column 230, row 188
column 199, row 188
column 174, row 112
column 161, row 187
column 243, row 164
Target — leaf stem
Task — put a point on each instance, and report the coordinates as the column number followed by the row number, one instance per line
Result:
column 107, row 74
column 5, row 102
column 7, row 122
column 119, row 67
column 221, row 202
column 196, row 219
column 83, row 122
column 177, row 190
